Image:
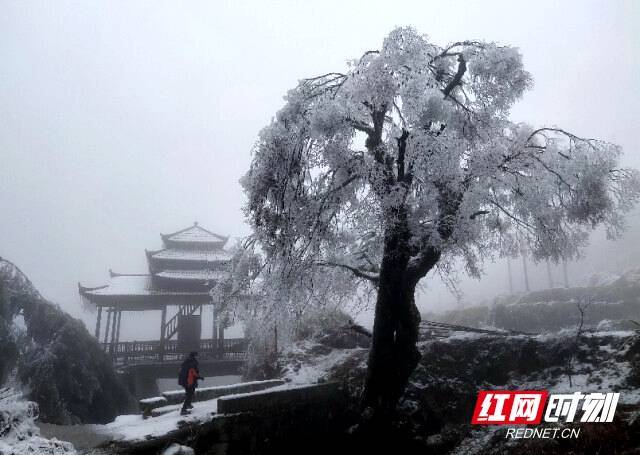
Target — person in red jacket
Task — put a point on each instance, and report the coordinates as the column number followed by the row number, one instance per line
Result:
column 188, row 378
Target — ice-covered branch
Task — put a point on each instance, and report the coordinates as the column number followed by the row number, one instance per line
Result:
column 372, row 277
column 457, row 78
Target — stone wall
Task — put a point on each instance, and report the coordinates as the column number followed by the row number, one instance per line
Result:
column 205, row 393
column 304, row 419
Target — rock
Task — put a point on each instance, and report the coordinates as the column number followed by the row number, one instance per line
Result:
column 177, row 449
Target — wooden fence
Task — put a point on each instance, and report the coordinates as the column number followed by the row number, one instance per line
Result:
column 135, row 352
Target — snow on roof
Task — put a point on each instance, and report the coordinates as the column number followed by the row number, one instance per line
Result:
column 195, row 234
column 194, row 274
column 131, row 285
column 195, row 255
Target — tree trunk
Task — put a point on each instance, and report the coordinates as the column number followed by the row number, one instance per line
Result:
column 393, row 355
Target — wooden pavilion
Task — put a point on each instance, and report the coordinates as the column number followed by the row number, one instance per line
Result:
column 181, row 274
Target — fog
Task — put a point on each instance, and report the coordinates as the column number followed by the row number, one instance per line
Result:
column 121, row 120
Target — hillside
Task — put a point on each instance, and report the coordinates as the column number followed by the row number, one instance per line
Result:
column 435, row 413
column 615, row 303
column 58, row 363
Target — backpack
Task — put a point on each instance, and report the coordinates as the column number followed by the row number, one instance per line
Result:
column 183, row 374
column 192, row 377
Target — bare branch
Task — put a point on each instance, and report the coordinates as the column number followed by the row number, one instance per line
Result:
column 368, row 53
column 478, row 213
column 457, row 78
column 360, row 126
column 552, row 171
column 561, row 131
column 513, row 217
column 316, row 78
column 356, row 271
column 402, row 148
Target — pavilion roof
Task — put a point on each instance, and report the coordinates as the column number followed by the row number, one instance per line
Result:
column 194, row 274
column 181, row 272
column 195, row 235
column 132, row 285
column 192, row 255
column 137, row 293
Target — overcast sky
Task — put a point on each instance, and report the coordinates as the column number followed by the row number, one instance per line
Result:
column 121, row 120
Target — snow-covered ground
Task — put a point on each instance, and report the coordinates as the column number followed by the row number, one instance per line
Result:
column 305, row 368
column 135, row 428
column 454, row 368
column 605, row 370
column 18, row 430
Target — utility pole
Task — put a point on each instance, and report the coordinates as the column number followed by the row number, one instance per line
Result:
column 509, row 276
column 549, row 275
column 275, row 336
column 525, row 271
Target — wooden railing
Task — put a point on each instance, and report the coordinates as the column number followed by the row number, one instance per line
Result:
column 136, row 352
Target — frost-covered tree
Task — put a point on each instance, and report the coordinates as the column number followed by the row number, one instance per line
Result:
column 286, row 307
column 62, row 367
column 407, row 162
column 229, row 294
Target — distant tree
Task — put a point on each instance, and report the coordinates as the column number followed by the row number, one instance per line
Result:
column 407, row 162
column 8, row 341
column 581, row 304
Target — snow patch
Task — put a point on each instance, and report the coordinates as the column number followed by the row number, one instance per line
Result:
column 177, row 449
column 20, row 435
column 134, row 428
column 313, row 368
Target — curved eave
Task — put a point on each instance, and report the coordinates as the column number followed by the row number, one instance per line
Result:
column 147, row 302
column 83, row 290
column 149, row 254
column 113, row 274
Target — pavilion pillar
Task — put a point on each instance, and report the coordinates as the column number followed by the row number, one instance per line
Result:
column 113, row 332
column 106, row 332
column 221, row 340
column 118, row 326
column 163, row 322
column 217, row 342
column 214, row 325
column 98, row 323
